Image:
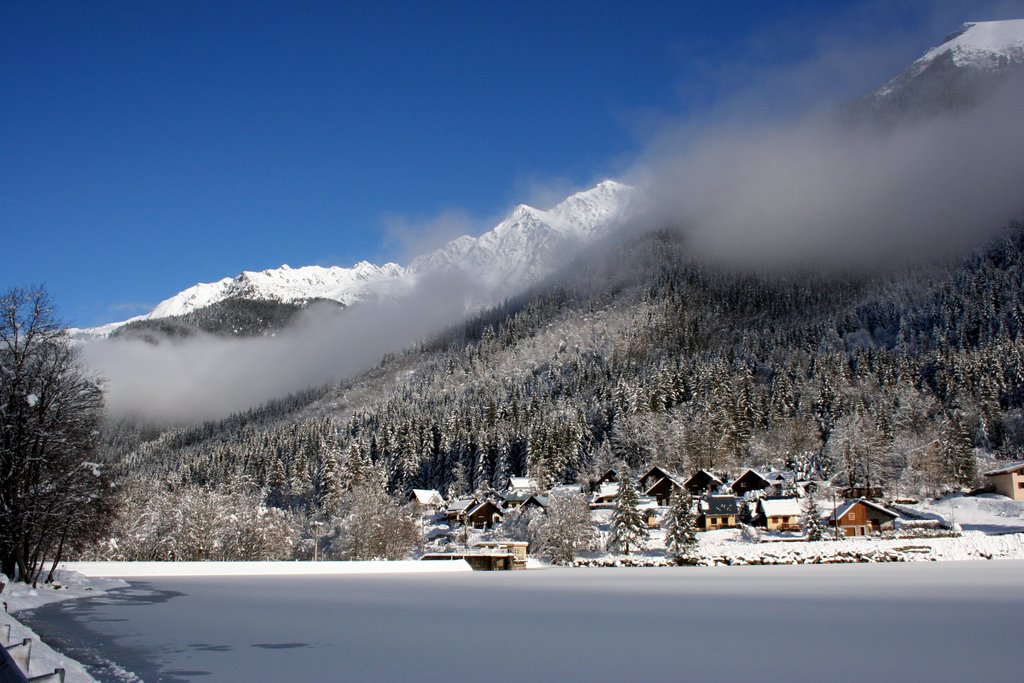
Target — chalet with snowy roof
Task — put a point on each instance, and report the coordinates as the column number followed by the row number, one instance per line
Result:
column 537, row 502
column 751, row 480
column 522, row 485
column 566, row 490
column 720, row 512
column 779, row 514
column 608, row 477
column 510, row 500
column 427, row 501
column 653, row 476
column 663, row 489
column 456, row 512
column 861, row 518
column 1008, row 480
column 484, row 515
column 606, row 493
column 702, row 482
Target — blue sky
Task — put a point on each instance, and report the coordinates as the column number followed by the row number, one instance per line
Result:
column 148, row 146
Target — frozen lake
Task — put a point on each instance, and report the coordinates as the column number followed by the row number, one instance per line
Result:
column 952, row 621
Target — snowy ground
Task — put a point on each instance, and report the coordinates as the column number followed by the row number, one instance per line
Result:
column 144, row 569
column 942, row 621
column 18, row 597
column 990, row 513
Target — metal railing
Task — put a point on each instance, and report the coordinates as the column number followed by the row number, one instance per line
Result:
column 14, row 660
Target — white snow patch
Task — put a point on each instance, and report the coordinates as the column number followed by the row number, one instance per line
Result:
column 143, row 569
column 20, row 596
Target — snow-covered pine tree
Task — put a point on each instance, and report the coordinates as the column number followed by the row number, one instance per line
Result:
column 565, row 528
column 681, row 528
column 628, row 526
column 813, row 524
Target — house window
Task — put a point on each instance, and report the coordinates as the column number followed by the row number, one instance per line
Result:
column 1020, row 484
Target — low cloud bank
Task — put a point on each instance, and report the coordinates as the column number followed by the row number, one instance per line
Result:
column 208, row 377
column 819, row 190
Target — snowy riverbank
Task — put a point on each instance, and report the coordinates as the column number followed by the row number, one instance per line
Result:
column 144, row 569
column 19, row 596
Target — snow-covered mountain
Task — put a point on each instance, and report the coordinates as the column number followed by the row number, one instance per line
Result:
column 526, row 246
column 956, row 72
column 530, row 243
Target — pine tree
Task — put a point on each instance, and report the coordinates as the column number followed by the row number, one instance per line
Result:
column 813, row 525
column 331, row 485
column 628, row 525
column 681, row 528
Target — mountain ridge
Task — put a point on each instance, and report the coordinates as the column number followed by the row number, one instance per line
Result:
column 517, row 252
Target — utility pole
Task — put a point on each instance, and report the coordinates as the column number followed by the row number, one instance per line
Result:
column 316, row 539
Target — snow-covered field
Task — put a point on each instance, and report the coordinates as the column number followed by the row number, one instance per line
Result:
column 988, row 512
column 941, row 621
column 147, row 569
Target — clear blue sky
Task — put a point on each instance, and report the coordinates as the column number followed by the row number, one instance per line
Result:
column 146, row 146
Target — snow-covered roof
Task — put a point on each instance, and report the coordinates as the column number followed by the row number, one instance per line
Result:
column 1006, row 469
column 780, row 507
column 522, row 483
column 427, row 497
column 675, row 483
column 478, row 506
column 755, row 473
column 566, row 489
column 607, row 489
column 462, row 504
column 721, row 505
column 845, row 507
column 707, row 474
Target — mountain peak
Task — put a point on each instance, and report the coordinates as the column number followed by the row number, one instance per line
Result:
column 527, row 245
column 982, row 44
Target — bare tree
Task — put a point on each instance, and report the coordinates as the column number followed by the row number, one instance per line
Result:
column 375, row 527
column 565, row 529
column 53, row 493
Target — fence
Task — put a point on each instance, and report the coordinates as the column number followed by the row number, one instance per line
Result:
column 14, row 659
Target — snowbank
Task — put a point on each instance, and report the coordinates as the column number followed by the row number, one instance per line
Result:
column 20, row 596
column 726, row 548
column 988, row 512
column 143, row 569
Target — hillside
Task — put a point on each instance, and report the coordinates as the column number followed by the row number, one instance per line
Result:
column 650, row 357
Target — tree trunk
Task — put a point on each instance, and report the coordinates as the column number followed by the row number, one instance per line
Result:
column 57, row 557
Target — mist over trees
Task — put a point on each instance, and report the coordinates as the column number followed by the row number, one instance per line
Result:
column 55, row 495
column 905, row 379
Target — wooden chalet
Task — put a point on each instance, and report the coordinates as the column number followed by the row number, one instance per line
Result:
column 537, row 502
column 653, row 476
column 456, row 512
column 427, row 501
column 1008, row 480
column 861, row 517
column 513, row 499
column 720, row 512
column 751, row 480
column 702, row 482
column 663, row 489
column 484, row 515
column 779, row 514
column 608, row 477
column 522, row 485
column 606, row 493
